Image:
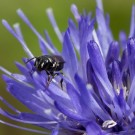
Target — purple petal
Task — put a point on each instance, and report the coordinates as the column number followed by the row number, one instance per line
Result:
column 99, row 4
column 54, row 24
column 55, row 131
column 98, row 64
column 131, row 57
column 75, row 97
column 9, row 105
column 28, row 118
column 123, row 39
column 28, row 96
column 25, row 19
column 50, row 43
column 75, row 12
column 69, row 56
column 132, row 28
column 113, row 52
column 18, row 37
column 117, row 80
column 93, row 129
column 69, row 112
column 23, row 128
column 85, row 34
column 43, row 47
column 74, row 34
column 88, row 103
column 103, row 34
column 131, row 96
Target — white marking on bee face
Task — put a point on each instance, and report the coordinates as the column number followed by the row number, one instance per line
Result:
column 54, row 64
column 50, row 59
column 42, row 65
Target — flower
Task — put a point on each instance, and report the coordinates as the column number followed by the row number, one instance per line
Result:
column 98, row 89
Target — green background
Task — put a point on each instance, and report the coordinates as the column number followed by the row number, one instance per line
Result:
column 10, row 49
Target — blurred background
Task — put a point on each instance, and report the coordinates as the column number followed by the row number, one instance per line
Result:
column 11, row 50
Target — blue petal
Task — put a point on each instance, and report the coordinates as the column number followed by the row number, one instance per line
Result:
column 75, row 12
column 131, row 57
column 113, row 52
column 25, row 19
column 74, row 34
column 43, row 47
column 117, row 80
column 55, row 131
column 88, row 104
column 71, row 113
column 85, row 35
column 48, row 39
column 19, row 38
column 49, row 12
column 69, row 56
column 103, row 33
column 132, row 28
column 93, row 129
column 123, row 39
column 28, row 96
column 99, row 65
column 28, row 118
column 75, row 98
column 131, row 96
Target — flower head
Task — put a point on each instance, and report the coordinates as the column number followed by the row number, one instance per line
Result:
column 98, row 86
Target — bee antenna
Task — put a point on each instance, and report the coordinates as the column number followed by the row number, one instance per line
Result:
column 30, row 60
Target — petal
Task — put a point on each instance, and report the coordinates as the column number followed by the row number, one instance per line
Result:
column 75, row 97
column 85, row 35
column 132, row 28
column 69, row 56
column 99, row 65
column 131, row 96
column 23, row 128
column 113, row 52
column 25, row 19
column 103, row 34
column 43, row 47
column 18, row 37
column 69, row 112
column 75, row 12
column 74, row 34
column 116, row 75
column 123, row 39
column 28, row 96
column 48, row 39
column 131, row 57
column 28, row 118
column 88, row 104
column 49, row 12
column 93, row 129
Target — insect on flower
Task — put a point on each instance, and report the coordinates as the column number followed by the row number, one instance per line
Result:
column 52, row 64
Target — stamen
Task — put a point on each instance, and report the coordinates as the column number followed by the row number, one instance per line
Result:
column 109, row 124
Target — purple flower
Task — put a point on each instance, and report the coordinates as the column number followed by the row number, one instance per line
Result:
column 98, row 89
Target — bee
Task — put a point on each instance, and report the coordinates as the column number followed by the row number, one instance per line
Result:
column 52, row 64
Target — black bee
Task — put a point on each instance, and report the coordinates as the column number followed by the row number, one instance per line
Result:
column 52, row 64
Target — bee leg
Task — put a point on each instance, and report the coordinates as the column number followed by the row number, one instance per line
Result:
column 61, row 81
column 49, row 79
